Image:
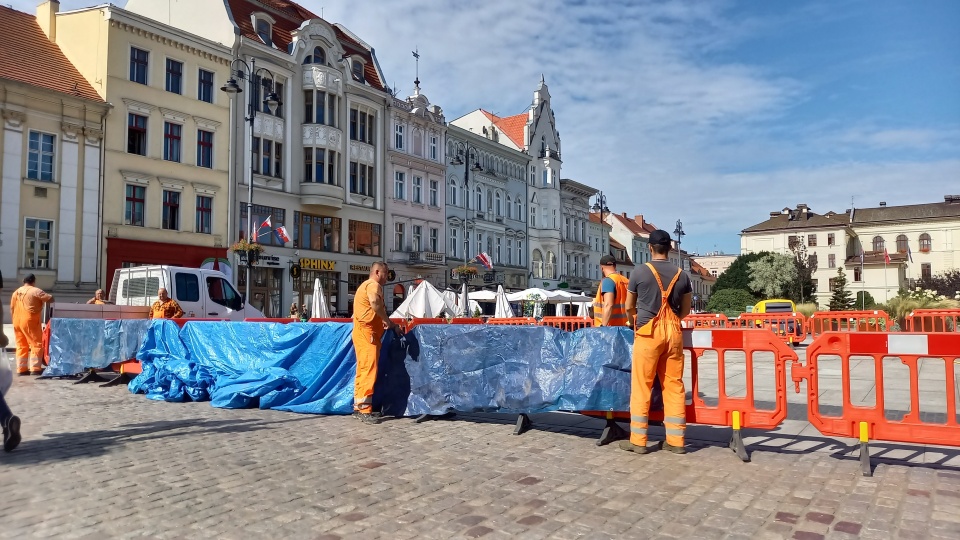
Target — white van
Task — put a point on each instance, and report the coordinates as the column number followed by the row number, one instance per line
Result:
column 201, row 293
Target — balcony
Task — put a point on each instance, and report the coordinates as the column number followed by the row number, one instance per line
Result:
column 550, row 154
column 426, row 259
column 322, row 135
column 265, row 125
column 322, row 78
column 320, row 194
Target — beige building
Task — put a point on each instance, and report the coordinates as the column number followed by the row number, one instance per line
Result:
column 50, row 186
column 165, row 189
column 881, row 249
column 715, row 263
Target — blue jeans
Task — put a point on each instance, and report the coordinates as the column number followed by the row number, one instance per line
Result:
column 5, row 412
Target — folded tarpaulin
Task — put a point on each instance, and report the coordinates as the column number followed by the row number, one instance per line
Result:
column 77, row 345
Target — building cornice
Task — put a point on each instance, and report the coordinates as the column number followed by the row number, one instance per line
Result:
column 168, row 36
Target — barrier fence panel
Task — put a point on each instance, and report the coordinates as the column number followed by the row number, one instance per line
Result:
column 933, row 320
column 512, row 321
column 726, row 409
column 853, row 419
column 334, row 319
column 848, row 321
column 570, row 324
column 790, row 327
column 706, row 320
column 284, row 320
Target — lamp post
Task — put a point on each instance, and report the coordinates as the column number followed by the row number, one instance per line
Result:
column 271, row 101
column 600, row 207
column 465, row 148
column 678, row 232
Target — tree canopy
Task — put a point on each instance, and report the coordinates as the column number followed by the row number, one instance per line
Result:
column 737, row 276
column 773, row 275
column 730, row 300
column 842, row 298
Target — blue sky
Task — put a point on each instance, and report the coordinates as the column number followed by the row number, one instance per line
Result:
column 715, row 113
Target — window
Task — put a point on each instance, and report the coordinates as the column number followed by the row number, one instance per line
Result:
column 265, row 236
column 498, row 208
column 901, row 243
column 277, row 160
column 479, row 207
column 926, row 272
column 319, row 108
column 417, row 238
column 171, row 141
column 278, row 88
column 519, row 252
column 453, row 241
column 320, row 165
column 171, row 210
column 364, row 238
column 418, row 189
column 205, row 86
column 499, row 258
column 857, row 275
column 187, row 287
column 519, row 210
column 358, row 70
column 41, row 156
column 533, row 217
column 136, row 134
column 265, row 32
column 925, row 243
column 792, row 241
column 434, row 188
column 433, row 147
column 221, row 292
column 205, row 149
column 509, row 251
column 361, row 125
column 537, row 264
column 133, row 212
column 399, row 186
column 362, row 179
column 479, row 244
column 434, row 240
column 174, row 76
column 139, row 60
column 878, row 243
column 398, row 140
column 546, row 177
column 37, row 236
column 452, row 196
column 266, row 157
column 318, row 57
column 831, row 239
column 255, row 153
column 811, row 240
column 831, row 261
column 204, row 214
column 319, row 233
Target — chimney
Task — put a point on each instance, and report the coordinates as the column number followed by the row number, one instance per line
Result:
column 625, row 216
column 47, row 18
column 639, row 219
column 883, row 204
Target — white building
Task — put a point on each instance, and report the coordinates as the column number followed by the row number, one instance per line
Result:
column 715, row 263
column 575, row 240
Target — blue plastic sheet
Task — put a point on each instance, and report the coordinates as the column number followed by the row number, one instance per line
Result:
column 77, row 345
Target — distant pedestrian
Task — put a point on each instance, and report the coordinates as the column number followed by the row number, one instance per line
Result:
column 658, row 345
column 165, row 307
column 304, row 314
column 98, row 298
column 294, row 311
column 26, row 310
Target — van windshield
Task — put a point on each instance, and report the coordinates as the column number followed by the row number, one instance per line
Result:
column 779, row 307
column 221, row 292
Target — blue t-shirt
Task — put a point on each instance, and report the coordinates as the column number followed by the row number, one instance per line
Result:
column 607, row 285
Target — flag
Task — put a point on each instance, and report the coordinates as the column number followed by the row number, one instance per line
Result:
column 266, row 223
column 282, row 234
column 909, row 254
column 886, row 256
column 485, row 260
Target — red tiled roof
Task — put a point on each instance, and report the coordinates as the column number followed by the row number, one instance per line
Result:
column 511, row 126
column 27, row 56
column 289, row 17
column 630, row 224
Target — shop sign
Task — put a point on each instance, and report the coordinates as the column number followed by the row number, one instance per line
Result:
column 269, row 260
column 317, row 264
column 359, row 268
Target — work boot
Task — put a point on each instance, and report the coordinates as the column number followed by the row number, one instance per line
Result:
column 671, row 448
column 11, row 434
column 367, row 418
column 635, row 448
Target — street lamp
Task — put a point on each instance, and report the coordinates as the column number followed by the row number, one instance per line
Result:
column 600, row 206
column 271, row 101
column 678, row 232
column 464, row 148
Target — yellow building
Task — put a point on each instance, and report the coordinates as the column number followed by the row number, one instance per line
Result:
column 50, row 188
column 165, row 189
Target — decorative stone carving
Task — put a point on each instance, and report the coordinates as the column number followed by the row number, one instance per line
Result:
column 136, row 177
column 204, row 189
column 171, row 114
column 269, row 126
column 362, row 152
column 322, row 78
column 138, row 106
column 93, row 136
column 14, row 119
column 321, row 135
column 206, row 123
column 70, row 131
column 317, row 31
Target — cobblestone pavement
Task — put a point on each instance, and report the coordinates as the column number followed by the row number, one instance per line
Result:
column 102, row 463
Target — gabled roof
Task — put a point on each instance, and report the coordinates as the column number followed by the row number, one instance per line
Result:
column 289, row 17
column 27, row 56
column 630, row 224
column 910, row 212
column 696, row 268
column 797, row 219
column 511, row 126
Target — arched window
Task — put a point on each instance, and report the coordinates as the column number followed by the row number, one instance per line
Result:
column 453, row 193
column 498, row 205
column 551, row 270
column 533, row 217
column 901, row 243
column 519, row 209
column 925, row 243
column 878, row 243
column 509, row 207
column 319, row 57
column 479, row 207
column 537, row 264
column 489, row 200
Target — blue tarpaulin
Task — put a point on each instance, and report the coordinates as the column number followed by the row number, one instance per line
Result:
column 77, row 345
column 309, row 367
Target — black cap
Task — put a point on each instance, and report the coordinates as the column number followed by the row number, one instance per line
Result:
column 659, row 237
column 608, row 260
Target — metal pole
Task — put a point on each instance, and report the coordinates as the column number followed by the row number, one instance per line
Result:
column 251, row 236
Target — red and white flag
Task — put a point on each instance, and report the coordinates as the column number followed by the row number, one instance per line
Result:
column 886, row 256
column 485, row 260
column 266, row 223
column 282, row 234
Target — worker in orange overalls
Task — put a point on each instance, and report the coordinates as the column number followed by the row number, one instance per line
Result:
column 658, row 345
column 26, row 310
column 165, row 307
column 370, row 320
column 98, row 298
column 609, row 307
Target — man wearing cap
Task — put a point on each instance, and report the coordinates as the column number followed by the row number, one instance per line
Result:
column 658, row 345
column 609, row 307
column 26, row 310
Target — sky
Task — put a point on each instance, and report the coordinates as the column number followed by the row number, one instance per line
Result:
column 714, row 113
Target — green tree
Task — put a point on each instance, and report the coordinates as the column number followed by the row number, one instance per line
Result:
column 842, row 299
column 864, row 300
column 806, row 265
column 773, row 275
column 737, row 276
column 946, row 283
column 730, row 300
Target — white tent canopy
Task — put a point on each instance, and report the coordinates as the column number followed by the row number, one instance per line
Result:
column 424, row 302
column 484, row 296
column 550, row 297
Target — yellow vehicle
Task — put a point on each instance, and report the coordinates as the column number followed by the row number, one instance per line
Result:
column 786, row 328
column 775, row 305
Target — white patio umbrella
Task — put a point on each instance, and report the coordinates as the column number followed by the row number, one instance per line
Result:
column 424, row 301
column 484, row 296
column 450, row 300
column 319, row 309
column 463, row 310
column 503, row 309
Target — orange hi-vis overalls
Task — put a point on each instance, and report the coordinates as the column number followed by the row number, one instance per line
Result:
column 367, row 333
column 26, row 308
column 619, row 315
column 658, row 352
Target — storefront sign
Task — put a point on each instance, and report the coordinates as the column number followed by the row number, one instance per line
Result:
column 317, row 264
column 269, row 260
column 359, row 268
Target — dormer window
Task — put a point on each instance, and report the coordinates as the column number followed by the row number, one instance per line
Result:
column 265, row 31
column 318, row 57
column 358, row 70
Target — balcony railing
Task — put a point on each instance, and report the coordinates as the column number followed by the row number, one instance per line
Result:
column 552, row 154
column 427, row 258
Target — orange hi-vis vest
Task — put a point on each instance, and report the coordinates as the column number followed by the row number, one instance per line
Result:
column 619, row 315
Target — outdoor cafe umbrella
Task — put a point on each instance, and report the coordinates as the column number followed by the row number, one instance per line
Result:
column 503, row 309
column 320, row 309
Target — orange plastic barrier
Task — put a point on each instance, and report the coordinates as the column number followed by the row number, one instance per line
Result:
column 734, row 411
column 868, row 422
column 933, row 320
column 707, row 320
column 185, row 320
column 512, row 321
column 570, row 324
column 331, row 319
column 848, row 321
column 284, row 320
column 790, row 327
